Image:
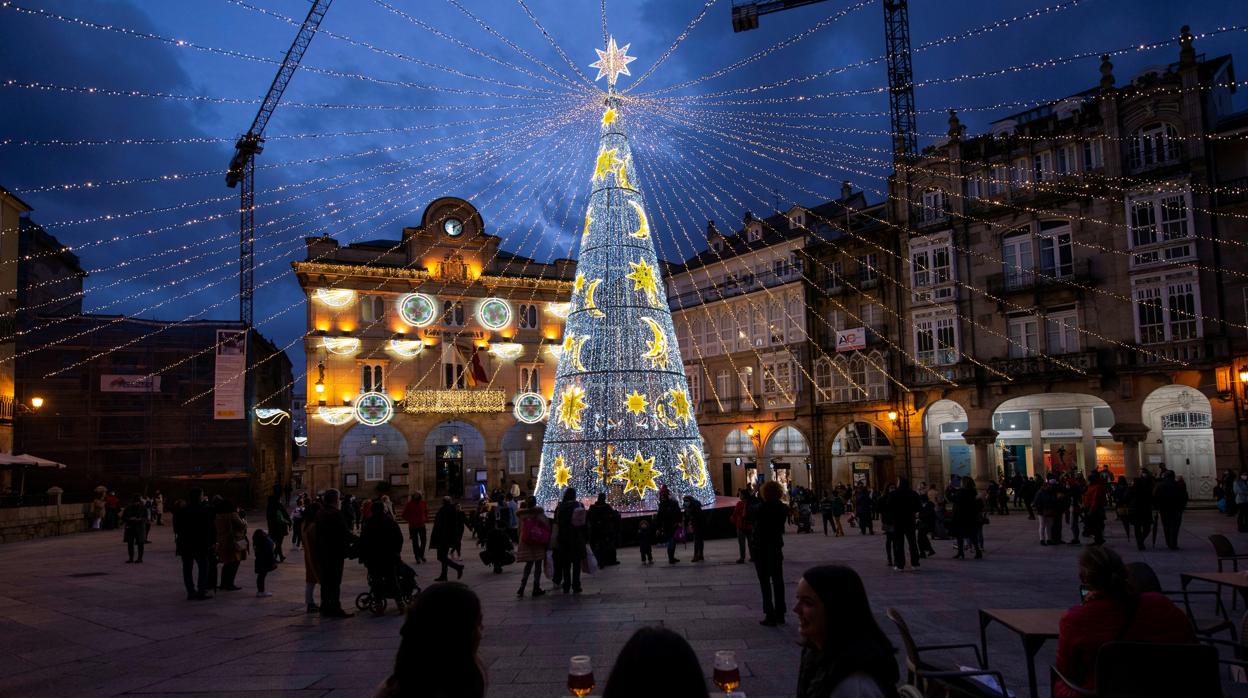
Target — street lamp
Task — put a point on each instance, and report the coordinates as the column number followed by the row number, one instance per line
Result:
column 320, row 383
column 892, row 415
column 1243, row 374
column 37, row 402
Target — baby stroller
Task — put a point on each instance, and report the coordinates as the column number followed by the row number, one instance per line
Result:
column 804, row 524
column 396, row 580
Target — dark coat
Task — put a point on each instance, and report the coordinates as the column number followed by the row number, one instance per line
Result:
column 266, row 561
column 768, row 540
column 135, row 519
column 333, row 536
column 278, row 519
column 448, row 528
column 667, row 518
column 966, row 511
column 902, row 507
column 1140, row 501
column 569, row 537
column 381, row 541
column 1170, row 497
column 194, row 530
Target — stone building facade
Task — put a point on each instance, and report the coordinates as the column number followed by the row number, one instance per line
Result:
column 431, row 358
column 1075, row 299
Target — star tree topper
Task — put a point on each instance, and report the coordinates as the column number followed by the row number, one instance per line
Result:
column 612, row 63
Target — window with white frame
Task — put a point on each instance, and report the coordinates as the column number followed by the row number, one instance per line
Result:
column 975, row 187
column 780, row 268
column 1161, row 227
column 372, row 378
column 515, row 462
column 931, row 266
column 531, row 378
column 372, row 308
column 1066, row 160
column 693, row 374
column 823, row 380
column 1042, row 166
column 726, row 324
column 1057, row 256
column 868, row 267
column 1061, row 331
column 745, row 382
column 723, row 384
column 796, row 312
column 453, row 367
column 872, row 316
column 682, row 335
column 858, row 377
column 1016, row 256
column 374, row 467
column 755, row 232
column 1167, row 307
column 778, row 376
column 758, row 325
column 934, row 208
column 775, row 322
column 936, row 337
column 836, row 272
column 1000, row 180
column 797, row 220
column 1092, row 156
column 1022, row 335
column 1020, row 174
column 1153, row 145
column 527, row 313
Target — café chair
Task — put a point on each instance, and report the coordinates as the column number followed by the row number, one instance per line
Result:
column 908, row 691
column 1150, row 670
column 1226, row 552
column 920, row 672
column 1145, row 580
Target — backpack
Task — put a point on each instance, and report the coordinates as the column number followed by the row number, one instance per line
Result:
column 535, row 531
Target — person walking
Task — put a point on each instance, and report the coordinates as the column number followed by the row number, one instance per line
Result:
column 838, row 510
column 742, row 519
column 570, row 518
column 1045, row 505
column 535, row 530
column 193, row 534
column 903, row 508
column 279, row 525
column 135, row 520
column 695, row 523
column 1122, row 501
column 926, row 527
column 232, row 543
column 448, row 531
column 1141, row 507
column 296, row 522
column 864, row 512
column 416, row 514
column 310, row 576
column 1093, row 506
column 98, row 507
column 1240, row 490
column 1170, row 498
column 603, row 531
column 381, row 543
column 266, row 559
column 967, row 511
column 767, row 547
column 825, row 512
column 667, row 519
column 158, row 508
column 333, row 543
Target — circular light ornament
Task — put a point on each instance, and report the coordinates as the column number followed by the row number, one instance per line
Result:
column 530, row 408
column 418, row 310
column 494, row 313
column 373, row 409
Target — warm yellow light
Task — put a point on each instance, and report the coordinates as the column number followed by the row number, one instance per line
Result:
column 319, row 387
column 36, row 402
column 552, row 333
column 322, row 327
column 892, row 415
column 1243, row 374
column 750, row 431
column 346, row 326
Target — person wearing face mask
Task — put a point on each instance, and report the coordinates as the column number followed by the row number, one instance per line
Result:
column 845, row 654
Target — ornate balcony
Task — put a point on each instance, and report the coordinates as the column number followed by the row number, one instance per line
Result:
column 1046, row 367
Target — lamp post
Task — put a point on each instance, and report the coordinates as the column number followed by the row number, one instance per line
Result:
column 756, row 438
column 22, row 409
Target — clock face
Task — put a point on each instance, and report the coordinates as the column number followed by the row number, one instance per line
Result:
column 453, row 227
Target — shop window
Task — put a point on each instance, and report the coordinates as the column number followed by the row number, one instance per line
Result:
column 1102, row 417
column 1061, row 419
column 1012, row 421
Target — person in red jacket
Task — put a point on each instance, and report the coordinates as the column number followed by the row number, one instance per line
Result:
column 1111, row 612
column 416, row 514
column 1093, row 505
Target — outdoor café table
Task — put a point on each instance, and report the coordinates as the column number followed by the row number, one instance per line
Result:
column 1034, row 625
column 1235, row 580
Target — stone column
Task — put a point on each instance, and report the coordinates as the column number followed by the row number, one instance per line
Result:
column 1088, row 445
column 1130, row 434
column 1037, row 441
column 981, row 440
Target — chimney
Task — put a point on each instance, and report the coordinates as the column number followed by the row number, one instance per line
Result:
column 1107, row 73
column 1187, row 52
column 847, row 190
column 711, row 231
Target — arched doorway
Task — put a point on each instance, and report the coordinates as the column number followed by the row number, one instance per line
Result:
column 1180, row 423
column 943, row 424
column 739, row 453
column 788, row 457
column 862, row 454
column 369, row 456
column 457, row 451
column 1054, row 433
column 522, row 451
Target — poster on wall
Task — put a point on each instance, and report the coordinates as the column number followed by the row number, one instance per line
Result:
column 229, row 382
column 852, row 339
column 116, row 383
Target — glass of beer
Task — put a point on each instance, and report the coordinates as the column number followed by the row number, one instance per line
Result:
column 727, row 676
column 580, row 676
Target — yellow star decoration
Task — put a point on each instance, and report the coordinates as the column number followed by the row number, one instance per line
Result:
column 636, row 403
column 656, row 351
column 571, row 405
column 563, row 474
column 681, row 408
column 585, row 233
column 607, row 162
column 579, row 284
column 612, row 63
column 608, row 117
column 644, row 279
column 692, row 467
column 638, row 474
column 643, row 224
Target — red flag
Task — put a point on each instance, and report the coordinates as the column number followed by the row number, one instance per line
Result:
column 476, row 372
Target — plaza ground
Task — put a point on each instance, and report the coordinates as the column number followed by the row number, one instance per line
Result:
column 76, row 620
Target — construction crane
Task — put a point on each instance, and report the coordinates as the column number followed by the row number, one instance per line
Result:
column 745, row 14
column 243, row 164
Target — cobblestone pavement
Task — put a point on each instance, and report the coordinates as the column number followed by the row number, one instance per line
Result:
column 76, row 620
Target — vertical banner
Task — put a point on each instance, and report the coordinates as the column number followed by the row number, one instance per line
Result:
column 229, row 379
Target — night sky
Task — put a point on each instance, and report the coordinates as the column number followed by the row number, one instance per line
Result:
column 513, row 138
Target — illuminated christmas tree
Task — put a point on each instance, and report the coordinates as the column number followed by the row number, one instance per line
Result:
column 621, row 420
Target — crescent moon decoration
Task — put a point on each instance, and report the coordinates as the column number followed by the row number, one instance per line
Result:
column 621, row 177
column 660, row 415
column 643, row 225
column 656, row 351
column 576, row 353
column 589, row 218
column 590, row 304
column 692, row 467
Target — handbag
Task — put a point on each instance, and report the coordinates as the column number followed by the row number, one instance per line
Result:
column 679, row 533
column 589, row 563
column 548, row 565
column 240, row 544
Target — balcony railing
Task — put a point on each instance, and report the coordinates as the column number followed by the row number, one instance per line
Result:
column 1178, row 352
column 938, row 374
column 454, row 401
column 1038, row 277
column 1059, row 364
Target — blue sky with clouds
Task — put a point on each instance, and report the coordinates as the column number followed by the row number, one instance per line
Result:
column 456, row 109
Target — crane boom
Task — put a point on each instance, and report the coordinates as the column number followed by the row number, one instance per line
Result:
column 243, row 165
